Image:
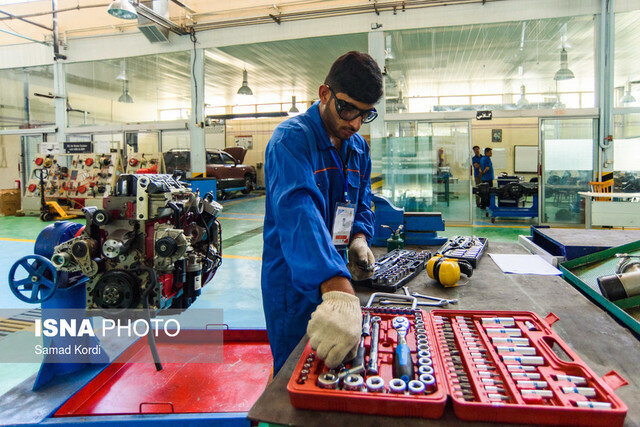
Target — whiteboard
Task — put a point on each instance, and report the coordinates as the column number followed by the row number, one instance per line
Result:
column 499, row 159
column 525, row 159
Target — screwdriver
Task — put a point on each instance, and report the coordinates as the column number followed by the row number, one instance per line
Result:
column 402, row 362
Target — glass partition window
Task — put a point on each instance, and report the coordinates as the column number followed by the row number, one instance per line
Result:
column 546, row 63
column 26, row 98
column 137, row 89
column 626, row 60
column 424, row 167
column 567, row 168
column 275, row 72
column 626, row 153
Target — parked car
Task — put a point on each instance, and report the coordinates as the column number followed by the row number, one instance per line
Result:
column 225, row 168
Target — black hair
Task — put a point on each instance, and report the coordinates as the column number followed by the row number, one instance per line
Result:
column 356, row 74
column 476, row 146
column 486, row 150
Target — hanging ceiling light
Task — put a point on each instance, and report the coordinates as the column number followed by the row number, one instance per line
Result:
column 122, row 9
column 627, row 98
column 245, row 89
column 293, row 110
column 125, row 97
column 387, row 51
column 522, row 102
column 564, row 73
column 123, row 72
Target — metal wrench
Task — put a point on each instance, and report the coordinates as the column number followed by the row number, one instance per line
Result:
column 449, row 301
column 372, row 366
column 441, row 303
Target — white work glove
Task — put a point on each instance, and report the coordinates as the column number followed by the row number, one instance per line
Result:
column 335, row 328
column 361, row 259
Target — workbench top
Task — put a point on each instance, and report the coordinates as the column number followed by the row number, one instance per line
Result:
column 601, row 342
column 590, row 237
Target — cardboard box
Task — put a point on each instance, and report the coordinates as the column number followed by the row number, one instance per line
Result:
column 9, row 201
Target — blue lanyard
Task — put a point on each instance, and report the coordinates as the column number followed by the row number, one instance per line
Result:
column 343, row 171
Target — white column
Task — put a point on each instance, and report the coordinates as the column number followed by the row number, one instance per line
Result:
column 196, row 122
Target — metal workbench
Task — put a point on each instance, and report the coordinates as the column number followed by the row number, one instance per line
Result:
column 601, row 342
column 571, row 243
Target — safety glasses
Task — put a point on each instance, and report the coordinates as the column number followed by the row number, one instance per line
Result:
column 347, row 111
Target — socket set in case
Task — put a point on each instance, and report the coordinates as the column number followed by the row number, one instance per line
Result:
column 395, row 269
column 498, row 366
column 467, row 248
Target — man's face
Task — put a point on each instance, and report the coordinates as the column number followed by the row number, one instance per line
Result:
column 489, row 153
column 335, row 126
column 476, row 151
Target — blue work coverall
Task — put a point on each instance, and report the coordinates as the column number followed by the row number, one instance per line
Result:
column 304, row 182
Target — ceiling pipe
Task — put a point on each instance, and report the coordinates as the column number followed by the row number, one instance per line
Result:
column 329, row 12
column 24, row 37
column 26, row 20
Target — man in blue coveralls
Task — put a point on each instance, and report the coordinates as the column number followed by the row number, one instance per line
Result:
column 486, row 169
column 318, row 205
column 475, row 164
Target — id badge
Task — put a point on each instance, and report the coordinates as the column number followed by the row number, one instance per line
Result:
column 342, row 223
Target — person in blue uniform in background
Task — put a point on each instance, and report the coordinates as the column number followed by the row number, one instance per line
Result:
column 486, row 169
column 475, row 164
column 318, row 208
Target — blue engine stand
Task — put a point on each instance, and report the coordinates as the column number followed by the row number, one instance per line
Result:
column 494, row 211
column 62, row 296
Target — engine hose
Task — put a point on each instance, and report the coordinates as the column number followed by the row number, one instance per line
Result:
column 176, row 214
column 151, row 339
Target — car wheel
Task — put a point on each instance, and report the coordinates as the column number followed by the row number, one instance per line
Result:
column 248, row 184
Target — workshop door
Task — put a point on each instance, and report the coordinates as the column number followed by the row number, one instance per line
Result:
column 568, row 159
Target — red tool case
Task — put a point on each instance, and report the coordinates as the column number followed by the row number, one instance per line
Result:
column 462, row 345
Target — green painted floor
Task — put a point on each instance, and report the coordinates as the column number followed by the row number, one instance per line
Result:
column 236, row 287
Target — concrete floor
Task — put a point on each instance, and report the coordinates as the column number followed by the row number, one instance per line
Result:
column 236, row 286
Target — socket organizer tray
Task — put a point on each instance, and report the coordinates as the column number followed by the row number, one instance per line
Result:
column 467, row 248
column 497, row 366
column 395, row 269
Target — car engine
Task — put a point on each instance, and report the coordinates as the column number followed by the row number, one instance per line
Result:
column 154, row 244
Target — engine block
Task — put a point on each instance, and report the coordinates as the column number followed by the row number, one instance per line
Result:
column 154, row 244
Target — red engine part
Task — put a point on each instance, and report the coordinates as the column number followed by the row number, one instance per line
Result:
column 133, row 162
column 82, row 189
column 131, row 210
column 166, row 280
column 149, row 170
column 39, row 161
column 32, row 188
column 149, row 241
column 88, row 162
column 80, row 231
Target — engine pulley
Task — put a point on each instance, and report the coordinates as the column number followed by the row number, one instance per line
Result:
column 166, row 246
column 116, row 289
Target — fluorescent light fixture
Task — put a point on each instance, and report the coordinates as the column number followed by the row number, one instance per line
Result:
column 293, row 110
column 122, row 9
column 564, row 73
column 245, row 89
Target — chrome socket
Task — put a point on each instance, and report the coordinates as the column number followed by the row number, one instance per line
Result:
column 415, row 387
column 375, row 384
